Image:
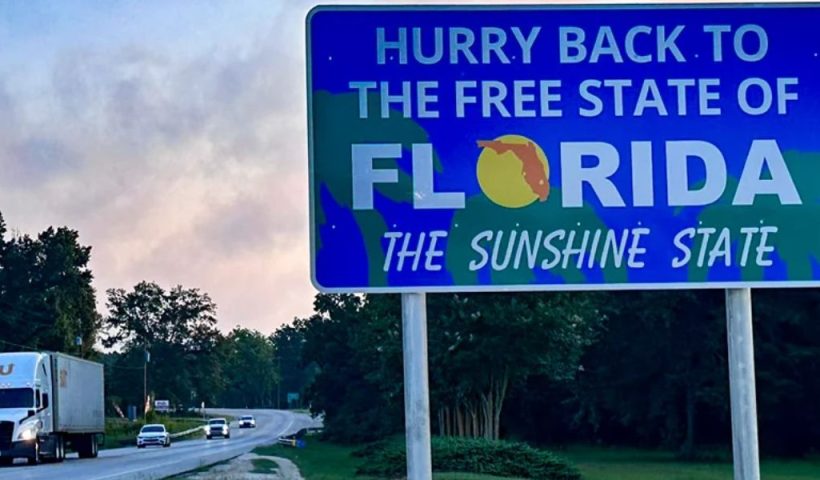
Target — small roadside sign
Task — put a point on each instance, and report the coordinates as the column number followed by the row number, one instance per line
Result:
column 162, row 406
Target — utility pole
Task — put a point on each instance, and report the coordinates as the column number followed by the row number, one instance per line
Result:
column 279, row 382
column 145, row 384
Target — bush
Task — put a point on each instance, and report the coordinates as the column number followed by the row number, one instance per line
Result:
column 386, row 459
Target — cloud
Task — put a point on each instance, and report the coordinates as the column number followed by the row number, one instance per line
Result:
column 35, row 160
column 181, row 170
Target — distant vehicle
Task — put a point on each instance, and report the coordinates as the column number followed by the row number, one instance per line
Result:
column 49, row 402
column 217, row 427
column 154, row 434
column 247, row 421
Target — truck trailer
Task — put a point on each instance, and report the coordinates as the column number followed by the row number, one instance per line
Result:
column 49, row 402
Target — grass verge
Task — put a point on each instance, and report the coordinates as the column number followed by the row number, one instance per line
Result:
column 325, row 461
column 264, row 465
column 633, row 464
column 202, row 469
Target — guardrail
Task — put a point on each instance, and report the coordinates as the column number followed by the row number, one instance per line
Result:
column 297, row 440
column 291, row 442
column 194, row 430
column 187, row 432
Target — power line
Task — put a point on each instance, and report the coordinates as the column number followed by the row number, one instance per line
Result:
column 27, row 347
column 124, row 368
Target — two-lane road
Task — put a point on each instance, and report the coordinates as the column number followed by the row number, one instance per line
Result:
column 155, row 463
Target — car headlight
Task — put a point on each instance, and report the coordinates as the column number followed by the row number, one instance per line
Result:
column 207, row 429
column 29, row 431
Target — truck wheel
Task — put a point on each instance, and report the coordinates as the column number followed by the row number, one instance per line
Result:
column 58, row 454
column 60, row 449
column 6, row 461
column 95, row 448
column 35, row 458
column 86, row 446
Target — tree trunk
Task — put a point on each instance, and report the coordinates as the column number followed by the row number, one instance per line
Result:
column 468, row 423
column 459, row 421
column 475, row 430
column 487, row 414
column 441, row 428
column 688, row 448
column 500, row 395
column 493, row 434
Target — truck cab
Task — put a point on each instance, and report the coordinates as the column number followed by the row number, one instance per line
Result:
column 48, row 401
column 25, row 393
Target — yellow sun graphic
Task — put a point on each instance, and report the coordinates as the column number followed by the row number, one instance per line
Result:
column 513, row 171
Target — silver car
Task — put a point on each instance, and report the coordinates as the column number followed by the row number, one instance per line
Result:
column 153, row 434
column 217, row 427
column 247, row 421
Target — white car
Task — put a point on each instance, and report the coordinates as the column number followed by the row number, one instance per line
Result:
column 217, row 427
column 154, row 434
column 247, row 421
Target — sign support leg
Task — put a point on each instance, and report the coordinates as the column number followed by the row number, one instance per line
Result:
column 416, row 386
column 742, row 384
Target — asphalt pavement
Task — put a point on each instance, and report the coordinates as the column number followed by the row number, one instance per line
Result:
column 157, row 462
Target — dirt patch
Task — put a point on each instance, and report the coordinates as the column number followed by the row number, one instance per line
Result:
column 251, row 467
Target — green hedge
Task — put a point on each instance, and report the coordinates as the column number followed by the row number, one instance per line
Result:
column 500, row 458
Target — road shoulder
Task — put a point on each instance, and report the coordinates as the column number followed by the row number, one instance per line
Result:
column 251, row 466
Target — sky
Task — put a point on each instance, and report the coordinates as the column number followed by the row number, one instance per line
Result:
column 172, row 135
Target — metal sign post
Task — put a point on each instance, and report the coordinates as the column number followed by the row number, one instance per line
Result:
column 416, row 386
column 742, row 383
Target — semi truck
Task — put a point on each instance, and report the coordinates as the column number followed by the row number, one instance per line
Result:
column 49, row 402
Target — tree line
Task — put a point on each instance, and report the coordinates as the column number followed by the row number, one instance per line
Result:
column 635, row 368
column 47, row 302
column 644, row 368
